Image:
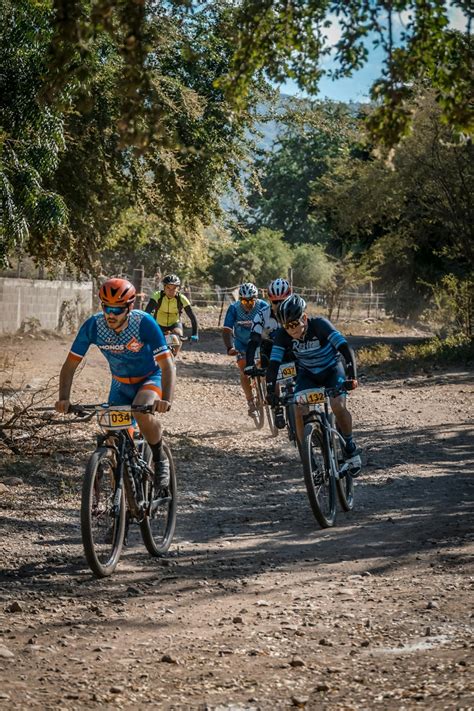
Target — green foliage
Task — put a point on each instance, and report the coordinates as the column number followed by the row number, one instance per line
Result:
column 258, row 258
column 272, row 254
column 312, row 137
column 289, row 39
column 453, row 305
column 413, row 216
column 312, row 269
column 457, row 349
column 141, row 239
column 31, row 135
column 112, row 105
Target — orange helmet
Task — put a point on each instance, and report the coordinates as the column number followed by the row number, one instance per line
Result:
column 117, row 292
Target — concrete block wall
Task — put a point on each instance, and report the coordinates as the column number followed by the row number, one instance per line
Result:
column 56, row 305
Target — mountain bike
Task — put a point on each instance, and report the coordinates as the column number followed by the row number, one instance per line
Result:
column 118, row 489
column 324, row 469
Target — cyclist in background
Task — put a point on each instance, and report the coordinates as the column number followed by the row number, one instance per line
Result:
column 317, row 347
column 236, row 332
column 140, row 363
column 167, row 305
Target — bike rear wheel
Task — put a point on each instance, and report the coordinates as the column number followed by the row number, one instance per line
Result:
column 102, row 515
column 345, row 485
column 318, row 477
column 157, row 528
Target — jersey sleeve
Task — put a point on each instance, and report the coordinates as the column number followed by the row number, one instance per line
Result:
column 281, row 344
column 184, row 300
column 152, row 334
column 258, row 323
column 327, row 329
column 230, row 318
column 86, row 336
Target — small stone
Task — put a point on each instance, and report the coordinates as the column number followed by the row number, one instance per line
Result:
column 432, row 605
column 14, row 607
column 428, row 632
column 299, row 701
column 237, row 620
column 168, row 659
column 322, row 687
column 133, row 591
column 365, row 643
column 325, row 642
column 116, row 689
column 13, row 481
column 297, row 662
column 5, row 653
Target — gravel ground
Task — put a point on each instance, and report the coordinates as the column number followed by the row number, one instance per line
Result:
column 255, row 607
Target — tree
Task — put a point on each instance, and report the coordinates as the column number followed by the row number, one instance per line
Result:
column 273, row 255
column 312, row 136
column 413, row 217
column 288, row 38
column 312, row 269
column 116, row 107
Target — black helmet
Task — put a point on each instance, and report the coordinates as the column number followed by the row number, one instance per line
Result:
column 292, row 308
column 172, row 279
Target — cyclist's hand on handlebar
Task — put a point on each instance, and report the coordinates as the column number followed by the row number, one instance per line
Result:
column 232, row 351
column 250, row 370
column 162, row 406
column 62, row 406
column 351, row 384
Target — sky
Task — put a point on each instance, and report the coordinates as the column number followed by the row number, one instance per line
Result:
column 356, row 88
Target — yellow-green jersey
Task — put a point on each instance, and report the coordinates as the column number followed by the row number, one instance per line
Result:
column 167, row 311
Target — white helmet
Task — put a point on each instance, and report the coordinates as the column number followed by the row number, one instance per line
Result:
column 278, row 289
column 248, row 291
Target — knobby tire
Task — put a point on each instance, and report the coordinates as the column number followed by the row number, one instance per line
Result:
column 319, row 480
column 158, row 531
column 102, row 531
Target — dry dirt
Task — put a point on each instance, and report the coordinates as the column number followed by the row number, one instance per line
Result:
column 255, row 607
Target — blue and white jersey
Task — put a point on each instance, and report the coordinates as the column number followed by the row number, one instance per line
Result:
column 240, row 322
column 316, row 351
column 132, row 354
column 265, row 323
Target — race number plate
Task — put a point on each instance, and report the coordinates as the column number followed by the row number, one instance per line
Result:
column 315, row 398
column 116, row 419
column 311, row 397
column 287, row 370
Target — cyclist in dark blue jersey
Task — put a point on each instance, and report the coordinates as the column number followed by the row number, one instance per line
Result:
column 140, row 363
column 236, row 332
column 317, row 348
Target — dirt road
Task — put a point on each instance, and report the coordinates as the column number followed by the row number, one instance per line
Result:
column 255, row 607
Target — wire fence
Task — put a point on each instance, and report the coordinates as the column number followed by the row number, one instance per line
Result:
column 346, row 305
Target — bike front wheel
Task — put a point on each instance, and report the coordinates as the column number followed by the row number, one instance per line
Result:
column 157, row 528
column 102, row 515
column 258, row 415
column 318, row 477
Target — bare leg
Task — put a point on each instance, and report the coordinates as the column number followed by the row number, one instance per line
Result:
column 245, row 380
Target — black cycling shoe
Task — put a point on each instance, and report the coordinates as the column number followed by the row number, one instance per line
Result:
column 280, row 422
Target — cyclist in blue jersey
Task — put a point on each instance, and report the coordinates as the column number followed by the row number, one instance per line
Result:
column 236, row 332
column 317, row 347
column 140, row 363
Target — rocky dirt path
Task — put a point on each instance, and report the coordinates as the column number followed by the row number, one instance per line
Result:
column 255, row 607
